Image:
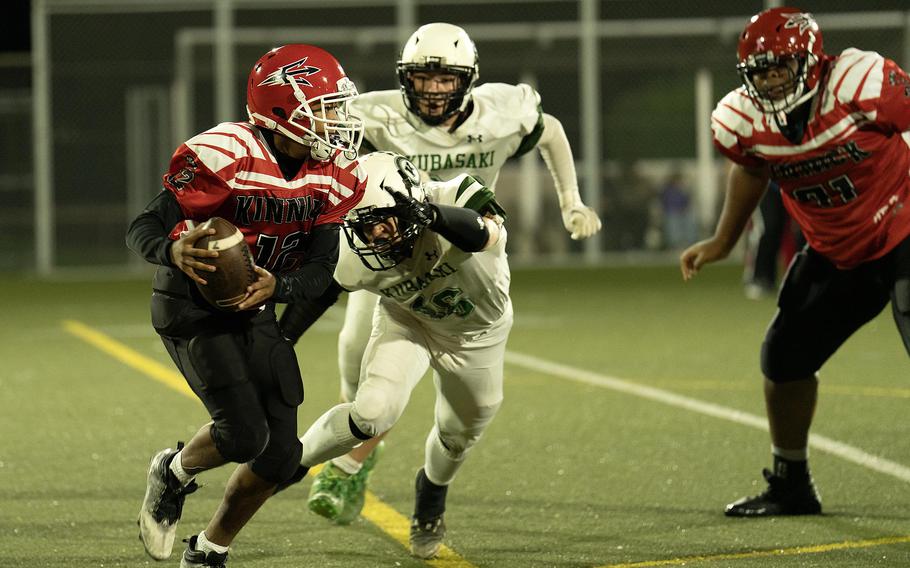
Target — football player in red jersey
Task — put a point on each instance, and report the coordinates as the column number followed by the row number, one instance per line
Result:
column 831, row 131
column 285, row 179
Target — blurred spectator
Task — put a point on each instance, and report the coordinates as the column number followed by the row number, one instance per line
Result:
column 676, row 212
column 628, row 198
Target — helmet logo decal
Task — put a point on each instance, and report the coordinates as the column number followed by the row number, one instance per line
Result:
column 297, row 71
column 803, row 21
column 408, row 172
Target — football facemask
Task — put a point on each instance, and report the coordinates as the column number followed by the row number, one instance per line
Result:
column 432, row 51
column 393, row 241
column 787, row 40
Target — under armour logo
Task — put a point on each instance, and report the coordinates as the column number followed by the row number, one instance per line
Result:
column 296, row 71
column 431, row 255
column 477, row 138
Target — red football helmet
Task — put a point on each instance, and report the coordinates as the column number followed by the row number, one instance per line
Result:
column 774, row 38
column 294, row 89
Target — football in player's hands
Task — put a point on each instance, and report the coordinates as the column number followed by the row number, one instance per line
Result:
column 227, row 285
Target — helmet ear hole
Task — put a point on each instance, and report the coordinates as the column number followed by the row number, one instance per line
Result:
column 278, row 111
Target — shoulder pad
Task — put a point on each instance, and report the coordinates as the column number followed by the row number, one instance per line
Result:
column 855, row 76
column 734, row 118
column 226, row 144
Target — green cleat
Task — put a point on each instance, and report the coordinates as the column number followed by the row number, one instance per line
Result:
column 358, row 487
column 329, row 492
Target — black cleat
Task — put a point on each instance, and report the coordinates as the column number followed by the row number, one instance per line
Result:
column 162, row 506
column 193, row 557
column 783, row 497
column 426, row 537
column 428, row 528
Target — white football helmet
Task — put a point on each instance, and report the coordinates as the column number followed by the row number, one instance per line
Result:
column 438, row 48
column 387, row 174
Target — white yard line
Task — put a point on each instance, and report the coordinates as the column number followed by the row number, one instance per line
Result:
column 816, row 441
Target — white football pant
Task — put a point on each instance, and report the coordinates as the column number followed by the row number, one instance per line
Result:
column 353, row 339
column 468, row 375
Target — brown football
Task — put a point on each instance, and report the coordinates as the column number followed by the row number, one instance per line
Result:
column 227, row 285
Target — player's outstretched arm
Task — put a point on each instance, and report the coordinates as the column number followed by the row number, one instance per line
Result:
column 462, row 227
column 299, row 316
column 745, row 188
column 580, row 220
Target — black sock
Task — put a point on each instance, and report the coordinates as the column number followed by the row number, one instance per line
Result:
column 431, row 498
column 791, row 469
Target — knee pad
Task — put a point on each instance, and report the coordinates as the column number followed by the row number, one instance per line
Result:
column 375, row 412
column 240, row 442
column 779, row 367
column 280, row 459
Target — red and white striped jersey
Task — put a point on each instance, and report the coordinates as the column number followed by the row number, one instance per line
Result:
column 847, row 182
column 229, row 172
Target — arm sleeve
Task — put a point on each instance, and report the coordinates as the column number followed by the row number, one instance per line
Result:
column 460, row 226
column 148, row 233
column 300, row 316
column 557, row 154
column 311, row 279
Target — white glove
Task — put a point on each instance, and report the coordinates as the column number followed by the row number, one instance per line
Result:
column 581, row 221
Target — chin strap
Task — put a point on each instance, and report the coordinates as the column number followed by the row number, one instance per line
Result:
column 320, row 151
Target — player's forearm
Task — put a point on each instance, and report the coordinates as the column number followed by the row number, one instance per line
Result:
column 557, row 154
column 300, row 316
column 462, row 227
column 311, row 279
column 148, row 233
column 745, row 188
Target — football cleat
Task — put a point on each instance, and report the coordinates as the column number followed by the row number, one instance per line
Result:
column 162, row 506
column 329, row 492
column 356, row 494
column 426, row 537
column 193, row 557
column 783, row 497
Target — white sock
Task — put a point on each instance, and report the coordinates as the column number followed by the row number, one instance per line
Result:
column 205, row 545
column 347, row 464
column 329, row 437
column 440, row 465
column 177, row 469
column 791, row 455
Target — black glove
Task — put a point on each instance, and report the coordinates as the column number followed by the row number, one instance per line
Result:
column 419, row 213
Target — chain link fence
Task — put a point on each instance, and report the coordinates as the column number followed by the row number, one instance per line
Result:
column 117, row 105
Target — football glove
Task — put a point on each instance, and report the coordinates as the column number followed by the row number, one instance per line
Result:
column 580, row 221
column 419, row 213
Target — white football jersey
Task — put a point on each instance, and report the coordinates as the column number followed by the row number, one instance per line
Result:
column 457, row 293
column 506, row 121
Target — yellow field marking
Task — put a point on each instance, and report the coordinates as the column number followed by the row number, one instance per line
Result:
column 797, row 550
column 387, row 519
column 398, row 526
column 149, row 367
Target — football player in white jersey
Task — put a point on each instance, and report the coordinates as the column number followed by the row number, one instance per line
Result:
column 435, row 256
column 445, row 126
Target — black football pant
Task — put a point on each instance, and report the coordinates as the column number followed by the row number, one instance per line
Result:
column 820, row 306
column 246, row 375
